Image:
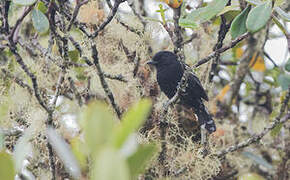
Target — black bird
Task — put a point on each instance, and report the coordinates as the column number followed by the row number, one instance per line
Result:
column 169, row 73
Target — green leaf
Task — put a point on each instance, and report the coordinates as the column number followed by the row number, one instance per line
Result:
column 287, row 65
column 258, row 17
column 282, row 14
column 41, row 7
column 74, row 55
column 206, row 13
column 238, row 26
column 137, row 162
column 257, row 159
column 7, row 170
column 110, row 165
column 40, row 21
column 284, row 81
column 131, row 121
column 186, row 23
column 80, row 73
column 24, row 2
column 276, row 130
column 80, row 151
column 228, row 9
column 97, row 122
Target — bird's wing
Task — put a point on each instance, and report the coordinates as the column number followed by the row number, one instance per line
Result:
column 195, row 88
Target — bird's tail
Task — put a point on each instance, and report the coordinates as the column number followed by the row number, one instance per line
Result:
column 205, row 118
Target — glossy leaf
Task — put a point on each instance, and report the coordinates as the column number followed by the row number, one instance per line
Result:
column 131, row 121
column 40, row 21
column 24, row 2
column 258, row 17
column 97, row 122
column 238, row 26
column 110, row 165
column 284, row 81
column 7, row 170
column 64, row 152
column 206, row 13
column 137, row 162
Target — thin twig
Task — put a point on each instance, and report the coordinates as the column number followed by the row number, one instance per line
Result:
column 18, row 81
column 221, row 50
column 76, row 11
column 109, row 18
column 255, row 138
column 102, row 79
column 18, row 22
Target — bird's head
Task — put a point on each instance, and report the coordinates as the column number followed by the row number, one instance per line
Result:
column 163, row 59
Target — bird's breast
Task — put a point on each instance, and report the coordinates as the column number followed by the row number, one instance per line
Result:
column 168, row 79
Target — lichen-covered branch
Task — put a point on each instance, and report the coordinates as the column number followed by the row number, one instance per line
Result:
column 255, row 138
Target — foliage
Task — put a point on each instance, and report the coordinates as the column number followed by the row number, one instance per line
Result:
column 71, row 73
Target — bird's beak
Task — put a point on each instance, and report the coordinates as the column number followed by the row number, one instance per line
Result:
column 151, row 62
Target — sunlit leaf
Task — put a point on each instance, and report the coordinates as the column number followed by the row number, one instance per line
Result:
column 238, row 26
column 259, row 16
column 63, row 151
column 223, row 92
column 257, row 159
column 131, row 121
column 137, row 162
column 40, row 21
column 109, row 165
column 284, row 81
column 7, row 170
column 97, row 122
column 24, row 2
